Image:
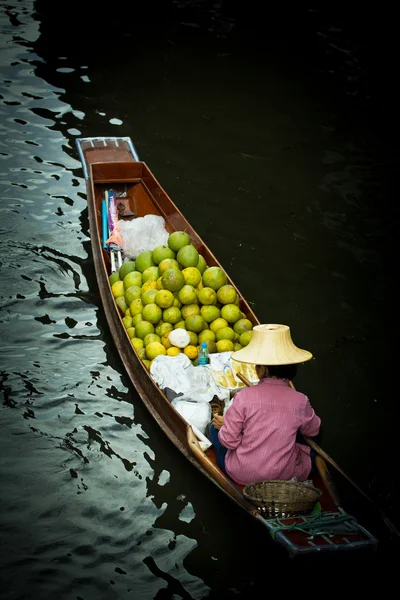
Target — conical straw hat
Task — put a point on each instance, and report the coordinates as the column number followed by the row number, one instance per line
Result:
column 271, row 345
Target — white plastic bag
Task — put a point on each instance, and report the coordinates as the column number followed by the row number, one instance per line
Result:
column 195, row 413
column 143, row 233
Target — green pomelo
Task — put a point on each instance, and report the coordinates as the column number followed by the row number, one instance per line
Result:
column 147, row 363
column 155, row 349
column 209, row 313
column 187, row 294
column 152, row 313
column 149, row 297
column 142, row 353
column 122, row 305
column 114, row 277
column 144, row 260
column 231, row 313
column 188, row 256
column 180, row 325
column 143, row 328
column 133, row 278
column 195, row 323
column 164, row 328
column 193, row 338
column 132, row 293
column 127, row 321
column 173, row 280
column 217, row 324
column 151, row 337
column 118, row 289
column 214, row 277
column 150, row 274
column 245, row 338
column 226, row 294
column 137, row 343
column 225, row 346
column 225, row 333
column 137, row 318
column 201, row 265
column 190, row 309
column 126, row 268
column 164, row 298
column 206, row 336
column 237, row 346
column 192, row 276
column 160, row 253
column 131, row 332
column 172, row 315
column 243, row 325
column 177, row 240
column 212, row 346
column 207, row 295
column 136, row 307
column 168, row 263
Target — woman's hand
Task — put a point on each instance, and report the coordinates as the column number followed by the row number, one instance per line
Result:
column 218, row 421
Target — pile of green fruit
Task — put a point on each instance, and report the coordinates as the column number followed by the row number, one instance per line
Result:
column 172, row 287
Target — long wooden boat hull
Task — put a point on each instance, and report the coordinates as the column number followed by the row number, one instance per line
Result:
column 113, row 163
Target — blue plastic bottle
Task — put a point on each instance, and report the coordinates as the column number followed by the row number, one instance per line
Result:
column 203, row 354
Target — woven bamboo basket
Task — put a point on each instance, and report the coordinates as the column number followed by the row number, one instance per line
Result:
column 282, row 498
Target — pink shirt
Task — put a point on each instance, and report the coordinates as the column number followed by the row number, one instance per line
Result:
column 260, row 430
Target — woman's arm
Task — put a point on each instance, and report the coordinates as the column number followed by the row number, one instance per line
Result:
column 230, row 434
column 311, row 422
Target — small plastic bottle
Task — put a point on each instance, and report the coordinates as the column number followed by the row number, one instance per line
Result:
column 203, row 354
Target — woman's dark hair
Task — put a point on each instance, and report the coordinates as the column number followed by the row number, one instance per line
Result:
column 282, row 371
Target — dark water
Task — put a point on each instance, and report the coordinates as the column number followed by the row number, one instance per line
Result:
column 277, row 138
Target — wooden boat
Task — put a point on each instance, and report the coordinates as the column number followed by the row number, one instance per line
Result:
column 114, row 163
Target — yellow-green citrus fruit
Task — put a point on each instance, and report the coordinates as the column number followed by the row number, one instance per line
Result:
column 137, row 343
column 207, row 295
column 212, row 346
column 147, row 363
column 164, row 328
column 192, row 276
column 206, row 336
column 114, row 277
column 144, row 260
column 167, row 263
column 237, row 346
column 132, row 293
column 225, row 333
column 149, row 297
column 133, row 278
column 143, row 328
column 118, row 289
column 231, row 313
column 217, row 324
column 164, row 298
column 155, row 349
column 122, row 305
column 188, row 256
column 190, row 309
column 214, row 277
column 159, row 285
column 225, row 346
column 195, row 323
column 180, row 325
column 152, row 313
column 172, row 280
column 243, row 325
column 142, row 353
column 150, row 274
column 165, row 341
column 201, row 265
column 160, row 253
column 177, row 302
column 127, row 321
column 148, row 285
column 191, row 352
column 136, row 307
column 173, row 351
column 128, row 313
column 172, row 315
column 151, row 337
column 209, row 313
column 136, row 318
column 187, row 294
column 193, row 338
column 126, row 268
column 131, row 332
column 226, row 294
column 177, row 240
column 245, row 338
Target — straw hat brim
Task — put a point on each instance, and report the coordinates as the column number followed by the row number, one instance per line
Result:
column 271, row 344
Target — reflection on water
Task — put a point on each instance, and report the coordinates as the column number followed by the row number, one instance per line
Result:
column 95, row 500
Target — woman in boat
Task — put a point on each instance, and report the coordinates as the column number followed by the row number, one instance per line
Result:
column 258, row 437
